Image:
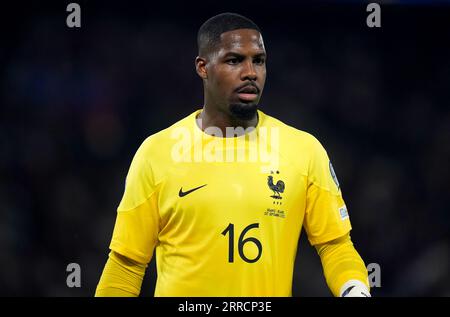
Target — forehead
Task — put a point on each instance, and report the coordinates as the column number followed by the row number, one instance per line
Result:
column 241, row 39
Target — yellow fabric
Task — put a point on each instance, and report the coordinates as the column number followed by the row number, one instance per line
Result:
column 236, row 235
column 121, row 277
column 341, row 263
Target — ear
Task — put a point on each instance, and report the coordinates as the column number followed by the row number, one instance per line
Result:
column 200, row 67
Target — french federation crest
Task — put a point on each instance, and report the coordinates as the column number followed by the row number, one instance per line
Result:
column 277, row 189
column 333, row 175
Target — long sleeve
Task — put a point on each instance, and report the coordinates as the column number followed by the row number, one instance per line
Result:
column 341, row 263
column 121, row 277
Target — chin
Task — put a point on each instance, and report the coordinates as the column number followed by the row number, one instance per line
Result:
column 243, row 111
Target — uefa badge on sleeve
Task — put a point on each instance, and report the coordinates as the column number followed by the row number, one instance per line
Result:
column 343, row 212
column 333, row 175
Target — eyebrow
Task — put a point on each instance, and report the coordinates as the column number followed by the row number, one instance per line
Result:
column 235, row 54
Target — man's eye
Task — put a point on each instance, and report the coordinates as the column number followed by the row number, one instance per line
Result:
column 232, row 61
column 260, row 61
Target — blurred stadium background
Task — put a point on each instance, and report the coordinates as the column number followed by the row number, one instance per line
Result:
column 76, row 104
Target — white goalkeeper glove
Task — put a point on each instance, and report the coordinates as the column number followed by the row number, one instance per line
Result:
column 354, row 288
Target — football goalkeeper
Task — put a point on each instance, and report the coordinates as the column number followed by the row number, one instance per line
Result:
column 227, row 226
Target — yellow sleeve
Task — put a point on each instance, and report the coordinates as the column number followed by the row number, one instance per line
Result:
column 326, row 216
column 137, row 222
column 121, row 277
column 341, row 263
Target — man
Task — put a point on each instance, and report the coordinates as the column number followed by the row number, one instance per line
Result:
column 225, row 219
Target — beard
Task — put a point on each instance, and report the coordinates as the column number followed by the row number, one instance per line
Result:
column 243, row 111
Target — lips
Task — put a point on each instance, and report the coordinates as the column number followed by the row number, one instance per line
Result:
column 248, row 93
column 248, row 90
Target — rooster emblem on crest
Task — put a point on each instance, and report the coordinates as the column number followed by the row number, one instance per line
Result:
column 276, row 188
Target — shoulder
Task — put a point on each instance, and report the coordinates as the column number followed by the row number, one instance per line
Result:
column 293, row 138
column 160, row 141
column 298, row 148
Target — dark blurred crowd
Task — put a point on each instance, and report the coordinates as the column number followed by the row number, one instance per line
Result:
column 77, row 103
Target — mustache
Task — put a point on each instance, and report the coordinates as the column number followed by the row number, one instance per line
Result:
column 248, row 84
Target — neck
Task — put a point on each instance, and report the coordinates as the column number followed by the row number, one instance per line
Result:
column 213, row 117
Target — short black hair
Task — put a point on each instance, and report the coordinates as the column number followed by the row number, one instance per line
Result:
column 208, row 35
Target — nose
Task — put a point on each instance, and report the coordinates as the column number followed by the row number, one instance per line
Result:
column 248, row 71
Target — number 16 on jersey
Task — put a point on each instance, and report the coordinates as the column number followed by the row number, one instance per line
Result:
column 242, row 242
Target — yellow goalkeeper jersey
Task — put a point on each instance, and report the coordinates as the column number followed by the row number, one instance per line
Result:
column 224, row 214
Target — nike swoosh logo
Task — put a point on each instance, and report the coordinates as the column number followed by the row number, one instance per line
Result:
column 347, row 291
column 181, row 193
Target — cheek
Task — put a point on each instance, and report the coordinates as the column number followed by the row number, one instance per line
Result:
column 263, row 73
column 263, row 76
column 223, row 81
